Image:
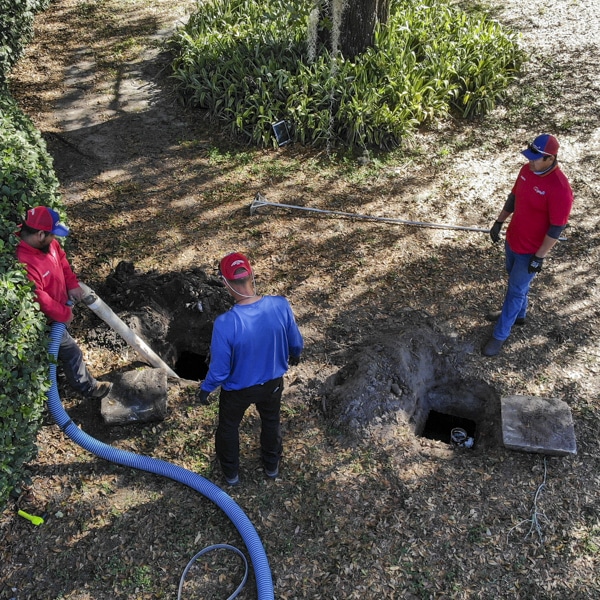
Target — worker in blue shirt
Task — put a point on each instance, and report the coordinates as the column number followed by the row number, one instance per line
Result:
column 251, row 347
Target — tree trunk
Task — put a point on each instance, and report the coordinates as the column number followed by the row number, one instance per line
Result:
column 359, row 19
column 348, row 26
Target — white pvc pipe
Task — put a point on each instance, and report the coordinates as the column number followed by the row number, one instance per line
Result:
column 95, row 303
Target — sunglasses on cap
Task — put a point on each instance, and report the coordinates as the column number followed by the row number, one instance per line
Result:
column 533, row 148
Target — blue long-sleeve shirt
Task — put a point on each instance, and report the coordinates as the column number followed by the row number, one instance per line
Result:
column 251, row 344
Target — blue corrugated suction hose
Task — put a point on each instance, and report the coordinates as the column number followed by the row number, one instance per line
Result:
column 258, row 557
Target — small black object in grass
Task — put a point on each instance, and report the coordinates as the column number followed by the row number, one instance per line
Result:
column 282, row 133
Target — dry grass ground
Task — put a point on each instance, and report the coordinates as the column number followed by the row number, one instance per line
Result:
column 146, row 181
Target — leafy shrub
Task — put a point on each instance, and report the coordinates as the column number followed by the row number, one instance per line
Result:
column 26, row 179
column 16, row 30
column 246, row 62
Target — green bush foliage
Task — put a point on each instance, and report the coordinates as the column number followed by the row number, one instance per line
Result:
column 26, row 179
column 16, row 30
column 247, row 63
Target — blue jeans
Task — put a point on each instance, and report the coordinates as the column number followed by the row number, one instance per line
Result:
column 232, row 406
column 515, row 301
column 71, row 359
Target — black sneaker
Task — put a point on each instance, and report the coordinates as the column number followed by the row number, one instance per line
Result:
column 101, row 390
column 492, row 347
column 235, row 480
column 495, row 315
column 272, row 474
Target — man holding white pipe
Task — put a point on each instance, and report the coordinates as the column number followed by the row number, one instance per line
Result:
column 56, row 289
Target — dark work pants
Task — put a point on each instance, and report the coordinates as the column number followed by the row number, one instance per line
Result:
column 71, row 359
column 232, row 407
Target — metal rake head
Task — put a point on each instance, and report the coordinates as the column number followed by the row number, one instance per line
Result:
column 259, row 200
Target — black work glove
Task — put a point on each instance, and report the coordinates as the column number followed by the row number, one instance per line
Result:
column 535, row 264
column 202, row 397
column 495, row 231
column 294, row 360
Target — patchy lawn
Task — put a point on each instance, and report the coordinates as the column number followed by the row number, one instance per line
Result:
column 379, row 514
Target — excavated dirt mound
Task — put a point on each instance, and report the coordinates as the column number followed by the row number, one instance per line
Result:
column 173, row 312
column 397, row 379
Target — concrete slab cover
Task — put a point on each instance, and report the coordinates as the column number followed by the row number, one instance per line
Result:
column 138, row 396
column 542, row 425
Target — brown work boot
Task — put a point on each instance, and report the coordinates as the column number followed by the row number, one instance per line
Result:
column 101, row 390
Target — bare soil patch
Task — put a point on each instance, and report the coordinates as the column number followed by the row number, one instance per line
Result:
column 382, row 514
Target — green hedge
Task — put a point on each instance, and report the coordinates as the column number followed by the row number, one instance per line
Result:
column 16, row 30
column 27, row 179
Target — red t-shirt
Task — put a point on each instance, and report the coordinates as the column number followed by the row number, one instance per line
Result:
column 540, row 201
column 53, row 277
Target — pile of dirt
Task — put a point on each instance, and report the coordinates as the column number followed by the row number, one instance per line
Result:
column 173, row 312
column 394, row 380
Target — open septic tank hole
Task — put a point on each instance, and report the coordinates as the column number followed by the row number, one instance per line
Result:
column 438, row 426
column 412, row 377
column 408, row 376
column 191, row 365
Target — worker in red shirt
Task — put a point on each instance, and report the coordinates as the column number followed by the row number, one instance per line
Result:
column 56, row 289
column 540, row 204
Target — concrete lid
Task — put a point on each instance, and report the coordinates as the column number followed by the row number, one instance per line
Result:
column 542, row 425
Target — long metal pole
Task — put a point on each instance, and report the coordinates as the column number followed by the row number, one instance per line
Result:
column 259, row 201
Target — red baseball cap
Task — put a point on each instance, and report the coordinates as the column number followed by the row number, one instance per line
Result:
column 46, row 219
column 232, row 263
